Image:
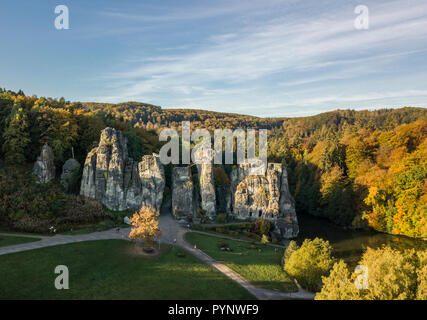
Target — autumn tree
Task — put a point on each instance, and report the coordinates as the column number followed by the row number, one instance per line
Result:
column 338, row 285
column 145, row 226
column 391, row 275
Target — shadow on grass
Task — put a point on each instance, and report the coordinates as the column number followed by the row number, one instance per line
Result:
column 105, row 270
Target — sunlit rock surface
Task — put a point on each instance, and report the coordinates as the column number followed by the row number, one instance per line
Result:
column 119, row 182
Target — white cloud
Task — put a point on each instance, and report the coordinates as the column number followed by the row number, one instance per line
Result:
column 249, row 59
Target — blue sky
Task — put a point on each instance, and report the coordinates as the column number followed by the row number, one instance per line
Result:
column 264, row 58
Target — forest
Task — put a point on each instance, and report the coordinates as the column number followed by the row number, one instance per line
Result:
column 359, row 169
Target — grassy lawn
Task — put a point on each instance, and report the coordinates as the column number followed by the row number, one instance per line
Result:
column 262, row 269
column 110, row 269
column 11, row 240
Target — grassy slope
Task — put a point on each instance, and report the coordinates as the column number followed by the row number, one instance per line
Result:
column 11, row 240
column 110, row 270
column 263, row 269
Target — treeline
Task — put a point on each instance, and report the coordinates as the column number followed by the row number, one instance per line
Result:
column 153, row 117
column 27, row 122
column 359, row 169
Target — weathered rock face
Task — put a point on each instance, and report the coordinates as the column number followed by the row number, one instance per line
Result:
column 69, row 176
column 268, row 197
column 116, row 180
column 182, row 192
column 207, row 190
column 287, row 222
column 44, row 168
column 152, row 178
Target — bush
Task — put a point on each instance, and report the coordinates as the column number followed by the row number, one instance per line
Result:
column 221, row 218
column 220, row 177
column 31, row 207
column 181, row 254
column 309, row 263
column 264, row 239
column 262, row 226
column 222, row 244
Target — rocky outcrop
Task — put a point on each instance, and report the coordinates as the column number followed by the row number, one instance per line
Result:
column 287, row 224
column 182, row 192
column 70, row 174
column 44, row 168
column 207, row 190
column 152, row 178
column 265, row 196
column 119, row 182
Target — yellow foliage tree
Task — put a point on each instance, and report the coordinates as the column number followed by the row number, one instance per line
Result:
column 145, row 225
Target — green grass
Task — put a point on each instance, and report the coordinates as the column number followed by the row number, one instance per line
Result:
column 11, row 240
column 261, row 268
column 234, row 230
column 110, row 269
column 104, row 225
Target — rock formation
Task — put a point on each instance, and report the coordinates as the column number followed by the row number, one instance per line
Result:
column 119, row 182
column 287, row 222
column 152, row 178
column 203, row 155
column 182, row 192
column 44, row 168
column 70, row 174
column 207, row 190
column 265, row 196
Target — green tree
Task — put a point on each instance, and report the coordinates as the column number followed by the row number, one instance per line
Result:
column 16, row 137
column 310, row 263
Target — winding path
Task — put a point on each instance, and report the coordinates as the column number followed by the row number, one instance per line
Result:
column 173, row 233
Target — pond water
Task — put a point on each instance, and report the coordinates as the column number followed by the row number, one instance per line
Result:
column 350, row 244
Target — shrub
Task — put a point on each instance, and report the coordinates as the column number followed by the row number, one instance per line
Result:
column 220, row 176
column 309, row 263
column 264, row 239
column 262, row 226
column 181, row 254
column 32, row 224
column 221, row 218
column 222, row 244
column 31, row 207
